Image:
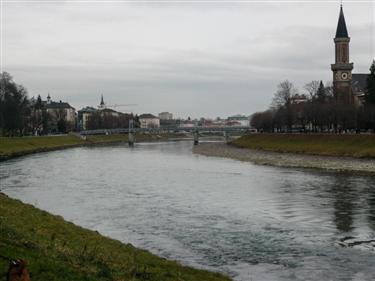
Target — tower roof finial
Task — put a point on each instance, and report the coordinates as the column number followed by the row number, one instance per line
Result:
column 341, row 31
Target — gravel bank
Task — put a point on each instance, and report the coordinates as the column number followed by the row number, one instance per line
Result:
column 336, row 164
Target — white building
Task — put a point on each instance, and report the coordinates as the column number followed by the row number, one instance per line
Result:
column 297, row 99
column 149, row 121
column 239, row 120
column 187, row 124
column 84, row 115
column 60, row 110
column 165, row 116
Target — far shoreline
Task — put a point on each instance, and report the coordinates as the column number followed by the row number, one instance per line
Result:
column 11, row 148
column 338, row 164
column 23, row 146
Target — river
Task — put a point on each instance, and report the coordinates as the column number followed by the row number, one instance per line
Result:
column 251, row 222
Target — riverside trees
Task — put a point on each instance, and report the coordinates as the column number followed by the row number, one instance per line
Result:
column 20, row 115
column 367, row 117
column 291, row 110
column 14, row 106
column 370, row 89
column 317, row 110
column 109, row 119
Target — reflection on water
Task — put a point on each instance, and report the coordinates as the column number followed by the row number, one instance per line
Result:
column 252, row 222
column 345, row 198
column 371, row 209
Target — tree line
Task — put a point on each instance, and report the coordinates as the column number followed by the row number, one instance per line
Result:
column 15, row 107
column 318, row 110
column 21, row 115
column 104, row 120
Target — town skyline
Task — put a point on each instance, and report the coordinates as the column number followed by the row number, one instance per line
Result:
column 209, row 69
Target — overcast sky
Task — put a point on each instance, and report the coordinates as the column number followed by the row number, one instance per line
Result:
column 192, row 59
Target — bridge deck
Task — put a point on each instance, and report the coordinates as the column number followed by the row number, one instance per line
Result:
column 168, row 130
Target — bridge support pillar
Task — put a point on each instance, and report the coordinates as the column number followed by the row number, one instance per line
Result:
column 131, row 138
column 226, row 137
column 196, row 137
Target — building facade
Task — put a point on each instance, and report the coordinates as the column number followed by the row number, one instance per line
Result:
column 58, row 112
column 83, row 117
column 238, row 120
column 165, row 116
column 90, row 118
column 149, row 121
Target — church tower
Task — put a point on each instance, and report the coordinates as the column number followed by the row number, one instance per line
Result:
column 342, row 68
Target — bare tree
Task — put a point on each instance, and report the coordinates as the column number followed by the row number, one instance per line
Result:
column 329, row 89
column 312, row 88
column 370, row 87
column 282, row 102
column 263, row 121
column 284, row 94
column 14, row 106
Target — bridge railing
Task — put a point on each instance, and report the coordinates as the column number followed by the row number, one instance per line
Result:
column 169, row 129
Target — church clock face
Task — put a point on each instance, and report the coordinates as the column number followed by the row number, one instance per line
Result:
column 344, row 75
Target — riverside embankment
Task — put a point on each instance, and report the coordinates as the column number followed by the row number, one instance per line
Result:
column 56, row 249
column 59, row 250
column 351, row 145
column 20, row 146
column 288, row 159
column 252, row 222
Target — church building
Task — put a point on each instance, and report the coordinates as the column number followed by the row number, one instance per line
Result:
column 348, row 88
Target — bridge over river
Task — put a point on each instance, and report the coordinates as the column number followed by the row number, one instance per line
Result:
column 196, row 131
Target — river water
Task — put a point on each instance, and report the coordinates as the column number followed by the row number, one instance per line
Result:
column 251, row 222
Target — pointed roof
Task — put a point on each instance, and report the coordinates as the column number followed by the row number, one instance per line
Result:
column 102, row 101
column 341, row 31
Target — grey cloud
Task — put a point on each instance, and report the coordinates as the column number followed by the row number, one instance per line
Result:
column 192, row 59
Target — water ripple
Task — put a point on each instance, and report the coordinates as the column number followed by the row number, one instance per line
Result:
column 251, row 222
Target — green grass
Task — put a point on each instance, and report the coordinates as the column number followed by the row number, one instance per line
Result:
column 58, row 250
column 23, row 145
column 11, row 147
column 316, row 144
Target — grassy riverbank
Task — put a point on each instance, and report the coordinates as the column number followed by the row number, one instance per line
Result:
column 59, row 250
column 18, row 146
column 314, row 144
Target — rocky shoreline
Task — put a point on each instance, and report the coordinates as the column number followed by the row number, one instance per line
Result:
column 291, row 160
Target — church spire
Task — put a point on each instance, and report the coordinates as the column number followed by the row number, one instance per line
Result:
column 102, row 104
column 341, row 31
